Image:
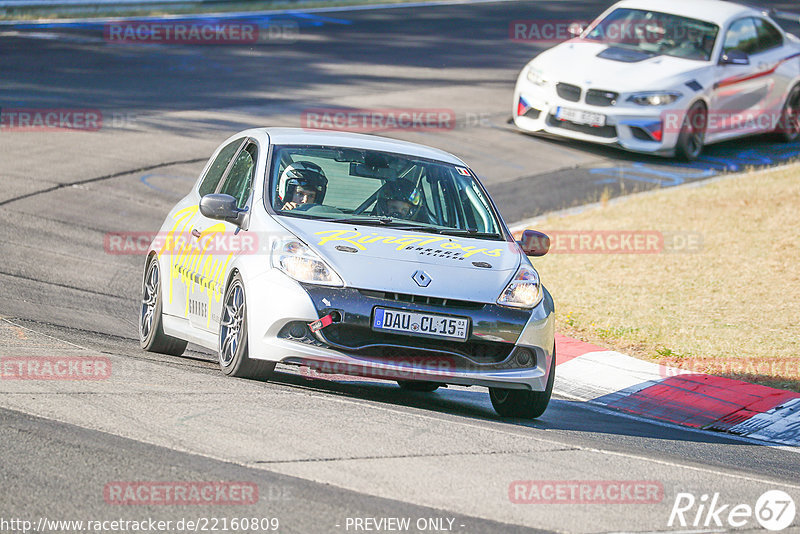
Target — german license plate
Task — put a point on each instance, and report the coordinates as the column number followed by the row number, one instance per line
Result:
column 420, row 324
column 580, row 117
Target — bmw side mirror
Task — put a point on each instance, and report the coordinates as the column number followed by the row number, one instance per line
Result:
column 223, row 208
column 534, row 243
column 576, row 29
column 734, row 57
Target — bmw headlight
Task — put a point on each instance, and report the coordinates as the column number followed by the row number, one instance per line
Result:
column 655, row 99
column 524, row 290
column 536, row 76
column 294, row 258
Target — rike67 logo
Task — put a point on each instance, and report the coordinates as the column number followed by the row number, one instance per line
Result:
column 774, row 510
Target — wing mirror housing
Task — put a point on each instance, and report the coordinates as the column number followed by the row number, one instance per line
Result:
column 734, row 57
column 576, row 29
column 534, row 243
column 222, row 208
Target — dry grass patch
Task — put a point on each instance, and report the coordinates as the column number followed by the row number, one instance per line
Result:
column 731, row 308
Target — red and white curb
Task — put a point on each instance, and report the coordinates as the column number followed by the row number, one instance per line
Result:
column 619, row 382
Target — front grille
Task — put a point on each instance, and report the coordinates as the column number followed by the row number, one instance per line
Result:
column 596, row 97
column 569, row 92
column 608, row 132
column 370, row 342
column 419, row 299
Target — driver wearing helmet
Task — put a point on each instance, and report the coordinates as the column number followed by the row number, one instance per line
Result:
column 399, row 199
column 302, row 182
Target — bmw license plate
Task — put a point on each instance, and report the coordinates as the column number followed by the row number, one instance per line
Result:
column 420, row 324
column 580, row 117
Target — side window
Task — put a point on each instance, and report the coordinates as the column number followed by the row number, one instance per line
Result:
column 240, row 178
column 768, row 35
column 742, row 36
column 217, row 168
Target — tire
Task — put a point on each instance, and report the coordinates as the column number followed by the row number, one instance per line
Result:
column 233, row 351
column 693, row 133
column 416, row 385
column 151, row 332
column 788, row 129
column 522, row 403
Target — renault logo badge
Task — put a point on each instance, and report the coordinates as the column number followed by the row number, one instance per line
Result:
column 421, row 278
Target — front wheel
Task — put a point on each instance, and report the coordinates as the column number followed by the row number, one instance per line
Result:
column 693, row 133
column 151, row 332
column 789, row 126
column 523, row 403
column 233, row 352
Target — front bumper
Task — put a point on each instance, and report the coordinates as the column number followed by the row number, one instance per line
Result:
column 492, row 356
column 648, row 130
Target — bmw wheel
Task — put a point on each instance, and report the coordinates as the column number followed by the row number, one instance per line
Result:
column 151, row 332
column 523, row 403
column 789, row 125
column 234, row 353
column 693, row 133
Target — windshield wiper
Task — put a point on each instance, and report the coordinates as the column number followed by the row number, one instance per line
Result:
column 470, row 232
column 368, row 220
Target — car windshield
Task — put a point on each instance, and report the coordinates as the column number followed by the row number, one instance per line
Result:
column 379, row 188
column 655, row 33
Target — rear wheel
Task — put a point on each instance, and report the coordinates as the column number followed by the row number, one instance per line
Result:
column 151, row 332
column 789, row 126
column 693, row 133
column 234, row 353
column 523, row 403
column 415, row 385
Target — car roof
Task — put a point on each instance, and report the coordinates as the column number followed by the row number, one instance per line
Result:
column 716, row 11
column 302, row 136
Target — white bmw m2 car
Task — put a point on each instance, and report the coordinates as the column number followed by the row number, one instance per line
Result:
column 351, row 254
column 666, row 78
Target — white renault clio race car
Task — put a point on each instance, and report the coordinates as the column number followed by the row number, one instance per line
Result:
column 666, row 78
column 351, row 254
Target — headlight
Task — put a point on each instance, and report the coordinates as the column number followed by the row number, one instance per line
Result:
column 294, row 258
column 524, row 290
column 536, row 76
column 654, row 99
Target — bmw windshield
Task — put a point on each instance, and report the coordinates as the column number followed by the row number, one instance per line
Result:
column 654, row 33
column 379, row 188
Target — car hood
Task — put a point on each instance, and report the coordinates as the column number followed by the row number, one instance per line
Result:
column 597, row 65
column 386, row 259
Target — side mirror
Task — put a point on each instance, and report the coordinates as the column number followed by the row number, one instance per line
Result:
column 534, row 243
column 734, row 57
column 576, row 29
column 223, row 208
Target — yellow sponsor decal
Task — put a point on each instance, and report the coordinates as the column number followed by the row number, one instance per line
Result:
column 361, row 242
column 190, row 263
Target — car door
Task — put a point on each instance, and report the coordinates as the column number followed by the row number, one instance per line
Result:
column 219, row 242
column 179, row 250
column 740, row 91
column 771, row 54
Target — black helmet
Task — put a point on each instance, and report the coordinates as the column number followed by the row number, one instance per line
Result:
column 305, row 174
column 401, row 190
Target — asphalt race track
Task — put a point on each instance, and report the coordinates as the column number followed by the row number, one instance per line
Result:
column 322, row 453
